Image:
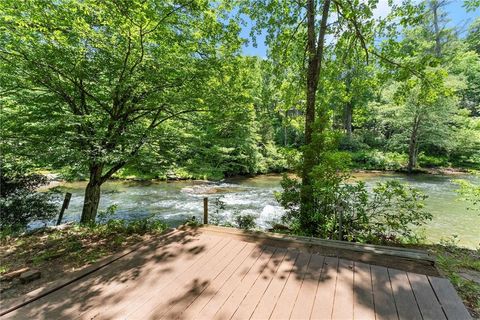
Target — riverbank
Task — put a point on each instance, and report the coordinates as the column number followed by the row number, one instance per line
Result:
column 174, row 202
column 57, row 177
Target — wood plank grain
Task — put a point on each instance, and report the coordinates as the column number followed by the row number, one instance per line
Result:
column 269, row 299
column 181, row 294
column 157, row 276
column 287, row 298
column 382, row 294
column 230, row 306
column 249, row 303
column 449, row 299
column 149, row 299
column 304, row 303
column 343, row 301
column 425, row 296
column 182, row 309
column 323, row 304
column 216, row 302
column 363, row 307
column 96, row 291
column 407, row 307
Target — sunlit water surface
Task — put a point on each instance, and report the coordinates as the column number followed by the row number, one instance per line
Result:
column 174, row 202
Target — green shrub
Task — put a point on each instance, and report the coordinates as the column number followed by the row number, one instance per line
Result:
column 388, row 214
column 128, row 227
column 432, row 161
column 378, row 160
column 352, row 143
column 246, row 221
column 20, row 203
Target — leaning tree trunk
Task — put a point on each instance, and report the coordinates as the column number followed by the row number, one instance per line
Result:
column 92, row 194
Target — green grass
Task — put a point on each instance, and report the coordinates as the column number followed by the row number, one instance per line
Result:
column 74, row 246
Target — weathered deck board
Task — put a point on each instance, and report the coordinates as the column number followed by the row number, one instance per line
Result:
column 287, row 298
column 165, row 261
column 217, row 301
column 196, row 303
column 269, row 299
column 363, row 307
column 231, row 304
column 202, row 275
column 451, row 303
column 404, row 299
column 218, row 283
column 189, row 286
column 323, row 303
column 249, row 303
column 306, row 296
column 148, row 298
column 382, row 294
column 343, row 300
column 425, row 296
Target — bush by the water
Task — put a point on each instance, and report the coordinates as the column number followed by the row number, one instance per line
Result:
column 388, row 213
column 20, row 203
column 378, row 160
column 245, row 222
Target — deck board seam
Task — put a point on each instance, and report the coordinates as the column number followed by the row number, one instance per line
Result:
column 269, row 283
column 263, row 251
column 283, row 287
column 415, row 296
column 316, row 288
column 181, row 274
column 393, row 295
column 253, row 283
column 438, row 299
column 226, row 281
column 215, row 277
column 300, row 286
column 335, row 290
column 373, row 292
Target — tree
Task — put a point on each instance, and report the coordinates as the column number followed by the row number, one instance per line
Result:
column 297, row 33
column 99, row 77
column 439, row 21
column 426, row 111
column 473, row 36
column 20, row 202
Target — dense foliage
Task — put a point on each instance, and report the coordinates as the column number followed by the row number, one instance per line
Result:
column 348, row 211
column 155, row 89
column 20, row 203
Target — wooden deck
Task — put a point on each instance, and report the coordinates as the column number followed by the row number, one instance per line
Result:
column 198, row 274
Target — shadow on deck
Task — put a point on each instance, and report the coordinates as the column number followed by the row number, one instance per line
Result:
column 219, row 273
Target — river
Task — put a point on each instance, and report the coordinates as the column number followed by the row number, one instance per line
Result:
column 175, row 202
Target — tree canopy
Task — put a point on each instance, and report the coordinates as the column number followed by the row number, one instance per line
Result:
column 118, row 88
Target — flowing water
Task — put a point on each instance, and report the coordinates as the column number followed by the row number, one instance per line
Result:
column 175, row 202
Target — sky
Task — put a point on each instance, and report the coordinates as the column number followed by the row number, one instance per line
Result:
column 456, row 12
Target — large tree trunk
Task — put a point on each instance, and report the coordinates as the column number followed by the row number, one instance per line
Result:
column 92, row 194
column 435, row 6
column 315, row 55
column 347, row 118
column 413, row 147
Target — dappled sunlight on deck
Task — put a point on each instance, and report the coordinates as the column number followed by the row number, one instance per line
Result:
column 197, row 274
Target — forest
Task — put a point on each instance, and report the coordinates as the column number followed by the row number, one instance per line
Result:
column 148, row 90
column 93, row 92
